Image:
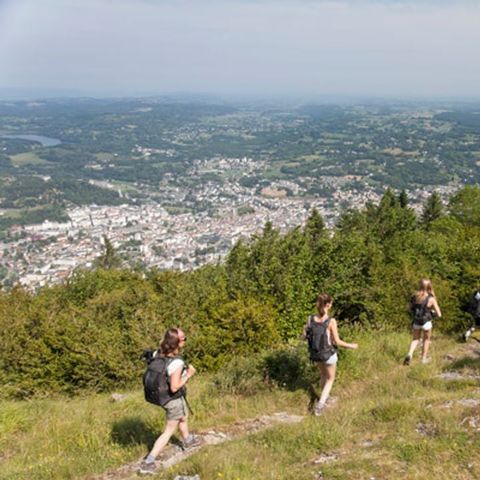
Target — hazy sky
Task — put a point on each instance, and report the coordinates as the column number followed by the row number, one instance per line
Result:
column 300, row 47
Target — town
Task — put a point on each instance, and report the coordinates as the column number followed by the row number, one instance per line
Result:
column 174, row 185
column 149, row 236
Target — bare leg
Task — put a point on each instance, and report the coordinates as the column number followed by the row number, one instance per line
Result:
column 163, row 439
column 469, row 332
column 415, row 341
column 183, row 427
column 427, row 335
column 323, row 375
column 328, row 372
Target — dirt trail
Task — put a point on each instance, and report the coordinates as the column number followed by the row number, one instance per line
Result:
column 173, row 454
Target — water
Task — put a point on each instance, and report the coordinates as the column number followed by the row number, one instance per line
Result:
column 45, row 141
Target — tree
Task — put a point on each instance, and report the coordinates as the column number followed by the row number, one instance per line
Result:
column 465, row 205
column 315, row 226
column 403, row 199
column 109, row 259
column 432, row 208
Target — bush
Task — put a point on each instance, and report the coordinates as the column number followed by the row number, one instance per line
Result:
column 241, row 376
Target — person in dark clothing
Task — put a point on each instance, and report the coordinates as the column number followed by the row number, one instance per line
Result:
column 473, row 308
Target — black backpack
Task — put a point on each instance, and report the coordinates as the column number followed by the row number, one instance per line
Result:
column 156, row 382
column 318, row 346
column 421, row 314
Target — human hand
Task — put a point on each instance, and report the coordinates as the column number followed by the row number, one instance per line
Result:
column 191, row 371
column 354, row 346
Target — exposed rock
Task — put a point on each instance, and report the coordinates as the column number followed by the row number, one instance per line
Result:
column 472, row 422
column 453, row 375
column 425, row 430
column 118, row 397
column 469, row 402
column 214, row 438
column 449, row 357
column 184, row 477
column 326, row 458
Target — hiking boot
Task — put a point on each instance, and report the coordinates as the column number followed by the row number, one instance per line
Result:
column 407, row 360
column 319, row 409
column 147, row 468
column 191, row 442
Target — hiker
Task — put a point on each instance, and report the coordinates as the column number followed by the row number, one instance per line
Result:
column 176, row 408
column 473, row 308
column 322, row 335
column 423, row 308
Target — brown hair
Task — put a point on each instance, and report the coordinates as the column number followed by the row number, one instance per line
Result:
column 170, row 341
column 322, row 300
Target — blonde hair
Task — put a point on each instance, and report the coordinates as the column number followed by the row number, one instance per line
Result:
column 425, row 288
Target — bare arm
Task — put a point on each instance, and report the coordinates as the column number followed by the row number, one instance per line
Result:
column 176, row 380
column 435, row 307
column 336, row 339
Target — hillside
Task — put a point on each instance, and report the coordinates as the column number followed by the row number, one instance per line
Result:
column 64, row 349
column 389, row 422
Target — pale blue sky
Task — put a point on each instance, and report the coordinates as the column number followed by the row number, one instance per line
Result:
column 302, row 47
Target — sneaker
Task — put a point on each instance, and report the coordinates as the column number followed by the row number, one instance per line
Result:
column 319, row 408
column 191, row 442
column 407, row 360
column 466, row 335
column 426, row 360
column 147, row 468
column 331, row 401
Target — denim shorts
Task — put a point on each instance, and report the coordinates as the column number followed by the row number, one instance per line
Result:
column 332, row 360
column 176, row 409
column 425, row 327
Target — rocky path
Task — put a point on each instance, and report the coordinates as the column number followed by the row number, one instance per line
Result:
column 455, row 368
column 173, row 454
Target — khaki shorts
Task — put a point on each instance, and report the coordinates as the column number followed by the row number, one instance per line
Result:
column 176, row 409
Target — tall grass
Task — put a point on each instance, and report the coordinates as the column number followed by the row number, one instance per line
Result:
column 390, row 421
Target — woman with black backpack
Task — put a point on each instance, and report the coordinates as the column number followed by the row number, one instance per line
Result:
column 177, row 374
column 423, row 307
column 323, row 339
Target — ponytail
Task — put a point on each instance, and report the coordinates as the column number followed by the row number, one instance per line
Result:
column 170, row 341
column 322, row 301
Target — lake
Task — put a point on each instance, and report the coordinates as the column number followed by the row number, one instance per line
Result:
column 45, row 141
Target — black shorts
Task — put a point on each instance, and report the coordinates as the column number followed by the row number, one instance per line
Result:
column 477, row 321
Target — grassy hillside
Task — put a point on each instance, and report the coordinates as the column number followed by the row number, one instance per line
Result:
column 389, row 421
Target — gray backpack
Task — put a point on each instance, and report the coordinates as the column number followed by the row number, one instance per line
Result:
column 319, row 348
